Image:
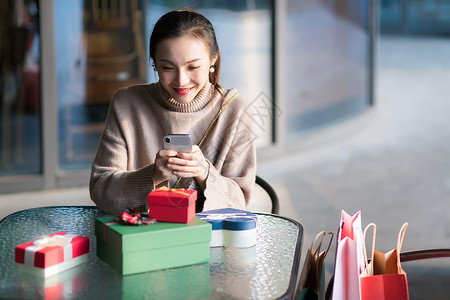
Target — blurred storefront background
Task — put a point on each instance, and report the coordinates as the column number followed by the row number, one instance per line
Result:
column 305, row 66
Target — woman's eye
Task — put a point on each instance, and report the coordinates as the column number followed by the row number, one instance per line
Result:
column 194, row 67
column 167, row 68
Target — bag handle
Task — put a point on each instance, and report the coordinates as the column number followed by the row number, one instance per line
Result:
column 324, row 234
column 330, row 242
column 401, row 236
column 366, row 269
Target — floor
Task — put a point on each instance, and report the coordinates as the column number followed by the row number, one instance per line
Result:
column 395, row 168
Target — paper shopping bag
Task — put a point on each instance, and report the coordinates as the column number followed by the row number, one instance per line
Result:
column 384, row 278
column 312, row 279
column 349, row 258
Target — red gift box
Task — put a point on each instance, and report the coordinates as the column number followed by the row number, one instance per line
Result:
column 172, row 205
column 52, row 254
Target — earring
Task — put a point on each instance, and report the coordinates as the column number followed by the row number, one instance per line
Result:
column 212, row 69
column 154, row 68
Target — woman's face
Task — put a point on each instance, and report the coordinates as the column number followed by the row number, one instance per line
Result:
column 183, row 66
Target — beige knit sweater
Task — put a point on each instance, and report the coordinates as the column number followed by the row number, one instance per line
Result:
column 139, row 117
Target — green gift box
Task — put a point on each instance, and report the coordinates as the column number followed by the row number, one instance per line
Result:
column 161, row 245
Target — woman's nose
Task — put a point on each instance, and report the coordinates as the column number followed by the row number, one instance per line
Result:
column 182, row 78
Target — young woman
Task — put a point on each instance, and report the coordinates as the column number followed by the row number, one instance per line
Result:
column 131, row 161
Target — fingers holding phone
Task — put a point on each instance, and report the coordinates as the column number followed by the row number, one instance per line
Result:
column 193, row 164
column 174, row 144
column 180, row 164
column 183, row 159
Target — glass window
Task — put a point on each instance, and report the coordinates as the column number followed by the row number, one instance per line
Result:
column 327, row 63
column 415, row 16
column 20, row 96
column 100, row 48
column 391, row 15
column 428, row 16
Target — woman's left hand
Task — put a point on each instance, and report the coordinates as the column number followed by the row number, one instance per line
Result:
column 192, row 164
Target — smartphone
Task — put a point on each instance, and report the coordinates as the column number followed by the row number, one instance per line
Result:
column 178, row 142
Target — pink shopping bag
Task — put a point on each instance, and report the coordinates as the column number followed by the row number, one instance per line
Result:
column 349, row 258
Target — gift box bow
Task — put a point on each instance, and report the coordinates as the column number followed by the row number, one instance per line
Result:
column 132, row 218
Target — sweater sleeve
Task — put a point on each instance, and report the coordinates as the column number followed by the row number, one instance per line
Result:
column 112, row 186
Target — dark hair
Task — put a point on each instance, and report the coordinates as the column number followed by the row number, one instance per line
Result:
column 177, row 23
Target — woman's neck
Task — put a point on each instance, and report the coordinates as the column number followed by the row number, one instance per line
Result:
column 199, row 101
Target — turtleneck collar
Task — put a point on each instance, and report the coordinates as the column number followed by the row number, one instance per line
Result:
column 199, row 101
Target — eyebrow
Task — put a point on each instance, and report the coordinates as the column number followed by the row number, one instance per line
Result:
column 188, row 62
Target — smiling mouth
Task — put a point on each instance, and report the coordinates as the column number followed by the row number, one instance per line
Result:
column 182, row 91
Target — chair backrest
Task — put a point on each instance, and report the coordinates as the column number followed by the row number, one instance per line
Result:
column 271, row 192
column 424, row 254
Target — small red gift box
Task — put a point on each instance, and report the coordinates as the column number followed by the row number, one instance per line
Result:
column 172, row 205
column 48, row 255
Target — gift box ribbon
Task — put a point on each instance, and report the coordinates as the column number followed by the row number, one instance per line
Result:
column 166, row 189
column 128, row 217
column 64, row 241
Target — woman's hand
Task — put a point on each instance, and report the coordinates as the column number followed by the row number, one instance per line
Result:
column 162, row 171
column 186, row 165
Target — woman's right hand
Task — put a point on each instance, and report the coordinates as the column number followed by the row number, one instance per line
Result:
column 162, row 172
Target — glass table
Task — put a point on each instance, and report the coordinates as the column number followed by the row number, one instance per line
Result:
column 268, row 270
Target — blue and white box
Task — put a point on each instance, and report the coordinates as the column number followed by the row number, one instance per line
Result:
column 231, row 227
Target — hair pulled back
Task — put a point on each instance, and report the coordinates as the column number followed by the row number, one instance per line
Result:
column 178, row 23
